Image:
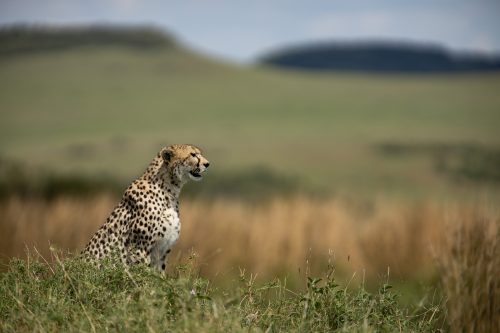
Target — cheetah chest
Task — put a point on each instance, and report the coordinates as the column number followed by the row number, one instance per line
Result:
column 168, row 230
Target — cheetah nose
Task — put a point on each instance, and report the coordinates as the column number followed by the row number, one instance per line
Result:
column 206, row 164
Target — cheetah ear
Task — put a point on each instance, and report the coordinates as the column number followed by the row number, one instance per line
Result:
column 167, row 154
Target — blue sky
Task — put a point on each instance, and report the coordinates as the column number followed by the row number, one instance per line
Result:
column 241, row 30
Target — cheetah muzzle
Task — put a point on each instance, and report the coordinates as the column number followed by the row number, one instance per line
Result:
column 145, row 225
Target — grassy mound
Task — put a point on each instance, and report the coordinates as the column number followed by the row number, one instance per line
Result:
column 70, row 295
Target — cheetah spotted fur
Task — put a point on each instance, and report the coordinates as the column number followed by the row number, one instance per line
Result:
column 145, row 225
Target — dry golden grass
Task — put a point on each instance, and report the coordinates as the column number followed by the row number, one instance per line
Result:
column 268, row 238
column 283, row 234
column 470, row 274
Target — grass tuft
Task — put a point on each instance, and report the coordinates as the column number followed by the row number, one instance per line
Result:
column 71, row 295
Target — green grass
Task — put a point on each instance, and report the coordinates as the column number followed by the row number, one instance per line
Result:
column 72, row 296
column 109, row 110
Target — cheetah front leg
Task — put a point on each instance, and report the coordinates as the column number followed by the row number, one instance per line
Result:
column 164, row 261
column 136, row 256
column 159, row 256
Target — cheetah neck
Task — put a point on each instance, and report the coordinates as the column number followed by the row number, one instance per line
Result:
column 170, row 184
column 158, row 173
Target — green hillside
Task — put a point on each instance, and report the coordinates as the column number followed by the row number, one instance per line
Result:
column 109, row 109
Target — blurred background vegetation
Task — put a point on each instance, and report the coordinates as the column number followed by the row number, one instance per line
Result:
column 99, row 102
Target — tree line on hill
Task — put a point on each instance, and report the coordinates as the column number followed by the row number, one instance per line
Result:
column 21, row 39
column 379, row 57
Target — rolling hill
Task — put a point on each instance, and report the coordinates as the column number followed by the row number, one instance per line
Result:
column 20, row 39
column 106, row 108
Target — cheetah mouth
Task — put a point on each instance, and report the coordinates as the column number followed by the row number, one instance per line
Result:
column 195, row 175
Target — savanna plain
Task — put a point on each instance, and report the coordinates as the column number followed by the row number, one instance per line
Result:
column 334, row 202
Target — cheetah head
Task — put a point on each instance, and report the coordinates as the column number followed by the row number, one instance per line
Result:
column 185, row 161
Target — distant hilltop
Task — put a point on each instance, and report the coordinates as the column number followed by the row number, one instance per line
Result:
column 379, row 57
column 21, row 39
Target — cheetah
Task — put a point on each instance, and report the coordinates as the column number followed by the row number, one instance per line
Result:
column 145, row 225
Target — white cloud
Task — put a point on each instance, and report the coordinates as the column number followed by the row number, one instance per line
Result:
column 126, row 6
column 483, row 43
column 350, row 24
column 458, row 29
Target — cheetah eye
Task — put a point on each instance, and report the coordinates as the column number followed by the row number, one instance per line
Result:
column 193, row 154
